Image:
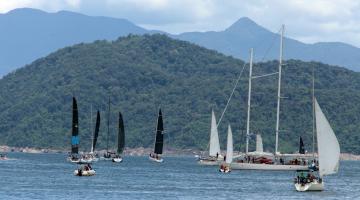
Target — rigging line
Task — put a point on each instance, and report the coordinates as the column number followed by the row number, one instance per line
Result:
column 232, row 93
column 271, row 45
column 264, row 75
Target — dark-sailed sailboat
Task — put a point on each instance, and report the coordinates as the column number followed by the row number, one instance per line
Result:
column 159, row 140
column 301, row 146
column 74, row 155
column 121, row 140
column 92, row 156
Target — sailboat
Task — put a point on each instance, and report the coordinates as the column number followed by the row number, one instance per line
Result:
column 92, row 156
column 225, row 168
column 328, row 155
column 159, row 140
column 214, row 157
column 74, row 155
column 121, row 140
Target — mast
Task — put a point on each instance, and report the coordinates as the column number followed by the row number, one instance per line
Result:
column 279, row 91
column 313, row 112
column 249, row 101
column 108, row 127
column 96, row 132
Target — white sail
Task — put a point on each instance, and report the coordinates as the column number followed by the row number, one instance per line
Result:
column 328, row 145
column 214, row 148
column 259, row 143
column 229, row 147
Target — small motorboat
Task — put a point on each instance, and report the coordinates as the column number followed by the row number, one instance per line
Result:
column 84, row 170
column 225, row 169
column 307, row 181
column 117, row 159
column 3, row 156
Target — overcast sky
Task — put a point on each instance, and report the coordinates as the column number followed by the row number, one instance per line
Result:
column 306, row 20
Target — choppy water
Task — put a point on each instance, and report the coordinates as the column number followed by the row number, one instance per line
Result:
column 48, row 176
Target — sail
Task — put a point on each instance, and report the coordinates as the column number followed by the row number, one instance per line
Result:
column 259, row 143
column 121, row 135
column 328, row 145
column 214, row 148
column 159, row 140
column 96, row 132
column 301, row 146
column 229, row 147
column 75, row 129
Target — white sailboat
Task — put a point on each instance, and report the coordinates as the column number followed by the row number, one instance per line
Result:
column 328, row 155
column 225, row 167
column 214, row 157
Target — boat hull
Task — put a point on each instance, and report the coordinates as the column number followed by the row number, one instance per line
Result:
column 269, row 167
column 117, row 160
column 313, row 186
column 160, row 160
column 205, row 162
column 84, row 173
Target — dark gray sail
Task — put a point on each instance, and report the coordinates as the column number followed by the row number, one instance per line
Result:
column 75, row 129
column 96, row 132
column 121, row 135
column 301, row 146
column 159, row 140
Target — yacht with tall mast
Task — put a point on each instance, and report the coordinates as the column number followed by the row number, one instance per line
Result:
column 328, row 153
column 271, row 162
column 121, row 140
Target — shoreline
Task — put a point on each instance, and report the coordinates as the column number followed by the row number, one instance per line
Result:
column 139, row 151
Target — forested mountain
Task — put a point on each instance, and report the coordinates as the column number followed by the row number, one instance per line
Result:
column 143, row 73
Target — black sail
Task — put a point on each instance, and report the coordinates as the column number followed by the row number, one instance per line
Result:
column 301, row 146
column 121, row 135
column 159, row 140
column 96, row 132
column 75, row 129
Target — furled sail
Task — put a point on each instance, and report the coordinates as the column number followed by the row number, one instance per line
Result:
column 328, row 145
column 229, row 147
column 75, row 129
column 96, row 132
column 301, row 146
column 214, row 148
column 121, row 135
column 159, row 140
column 259, row 143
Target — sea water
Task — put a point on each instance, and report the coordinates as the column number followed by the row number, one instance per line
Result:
column 49, row 176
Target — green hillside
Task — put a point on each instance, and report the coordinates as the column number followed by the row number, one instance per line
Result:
column 143, row 73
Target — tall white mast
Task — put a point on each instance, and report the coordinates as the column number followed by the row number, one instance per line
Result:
column 279, row 91
column 249, row 101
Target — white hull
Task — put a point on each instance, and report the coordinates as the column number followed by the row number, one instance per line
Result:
column 270, row 167
column 84, row 173
column 117, row 160
column 313, row 186
column 88, row 160
column 160, row 160
column 206, row 162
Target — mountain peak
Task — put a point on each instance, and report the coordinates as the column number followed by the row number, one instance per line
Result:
column 243, row 23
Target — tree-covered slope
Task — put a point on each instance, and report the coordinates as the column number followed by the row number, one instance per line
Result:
column 143, row 73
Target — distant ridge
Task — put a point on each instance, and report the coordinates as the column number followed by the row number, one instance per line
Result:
column 28, row 34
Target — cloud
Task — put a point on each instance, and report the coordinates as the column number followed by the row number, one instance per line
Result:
column 306, row 20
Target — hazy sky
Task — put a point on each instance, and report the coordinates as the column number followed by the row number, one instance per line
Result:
column 306, row 20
